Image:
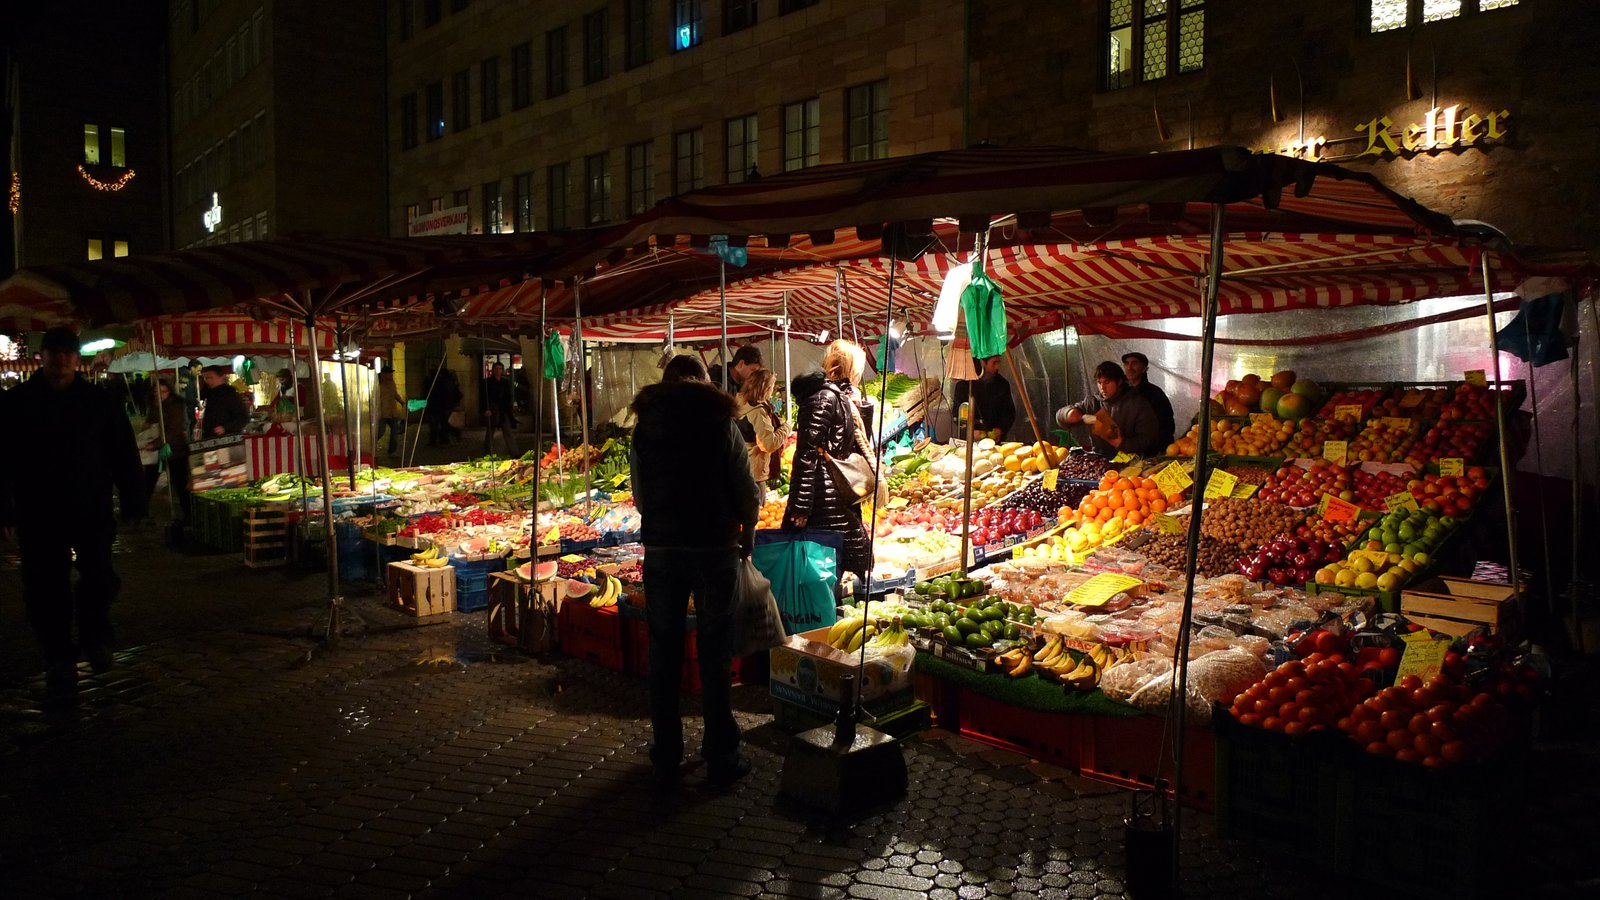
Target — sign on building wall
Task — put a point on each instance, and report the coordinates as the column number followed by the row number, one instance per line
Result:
column 1452, row 127
column 445, row 221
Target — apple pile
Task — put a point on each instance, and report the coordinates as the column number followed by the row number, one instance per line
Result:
column 1449, row 438
column 1310, row 434
column 928, row 516
column 1372, row 487
column 1302, row 486
column 1341, row 533
column 1413, row 403
column 1437, row 723
column 990, row 526
column 1366, row 398
column 1300, row 696
column 1283, row 395
column 1236, row 437
column 1289, row 560
column 1470, row 402
column 1382, row 441
column 1450, row 495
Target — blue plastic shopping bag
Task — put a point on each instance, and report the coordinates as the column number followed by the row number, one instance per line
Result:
column 803, row 567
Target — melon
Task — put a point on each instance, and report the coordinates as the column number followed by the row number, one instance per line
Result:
column 577, row 590
column 1269, row 399
column 1294, row 406
column 525, row 571
column 1284, row 380
column 545, row 571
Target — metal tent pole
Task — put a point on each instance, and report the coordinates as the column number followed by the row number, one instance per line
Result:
column 339, row 337
column 1179, row 707
column 336, row 610
column 979, row 252
column 583, row 392
column 161, row 414
column 1500, row 423
column 877, row 468
column 1574, row 580
column 299, row 438
column 788, row 371
column 416, row 439
column 538, row 431
column 722, row 296
column 1544, row 521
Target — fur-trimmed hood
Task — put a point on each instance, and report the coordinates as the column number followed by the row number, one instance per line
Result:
column 671, row 405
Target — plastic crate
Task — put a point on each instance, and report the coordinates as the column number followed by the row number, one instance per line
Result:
column 358, row 557
column 1274, row 787
column 472, row 582
column 592, row 634
column 636, row 648
column 217, row 523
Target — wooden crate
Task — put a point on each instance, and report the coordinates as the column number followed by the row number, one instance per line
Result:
column 1459, row 606
column 523, row 614
column 266, row 535
column 420, row 590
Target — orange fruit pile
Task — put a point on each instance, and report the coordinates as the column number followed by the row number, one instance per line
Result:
column 1120, row 502
column 771, row 515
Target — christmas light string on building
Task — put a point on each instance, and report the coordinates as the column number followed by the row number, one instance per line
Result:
column 97, row 184
column 14, row 195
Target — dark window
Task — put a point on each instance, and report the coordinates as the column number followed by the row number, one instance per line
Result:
column 686, row 16
column 688, row 161
column 489, row 88
column 522, row 201
column 1147, row 40
column 432, row 12
column 408, row 19
column 461, row 99
column 435, row 204
column 493, row 208
column 461, row 198
column 557, row 219
column 435, row 111
column 555, row 62
column 788, row 6
column 594, row 47
column 597, row 189
column 738, row 15
column 867, row 115
column 802, row 134
column 408, row 121
column 641, row 177
column 636, row 19
column 741, row 148
column 522, row 75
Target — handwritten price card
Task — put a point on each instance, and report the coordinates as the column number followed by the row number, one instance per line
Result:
column 1099, row 590
column 1335, row 451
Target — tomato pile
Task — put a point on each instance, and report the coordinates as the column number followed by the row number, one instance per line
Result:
column 1303, row 695
column 1450, row 495
column 1436, row 723
column 1298, row 486
column 993, row 525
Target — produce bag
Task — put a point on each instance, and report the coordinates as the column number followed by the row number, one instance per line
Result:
column 757, row 624
column 803, row 567
column 985, row 311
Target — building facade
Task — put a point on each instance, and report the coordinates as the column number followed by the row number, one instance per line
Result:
column 276, row 111
column 82, row 127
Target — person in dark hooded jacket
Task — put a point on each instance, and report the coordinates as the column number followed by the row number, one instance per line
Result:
column 698, row 507
column 823, row 422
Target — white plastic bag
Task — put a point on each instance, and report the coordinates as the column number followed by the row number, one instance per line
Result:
column 757, row 625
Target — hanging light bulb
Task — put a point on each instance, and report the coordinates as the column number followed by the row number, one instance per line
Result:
column 948, row 309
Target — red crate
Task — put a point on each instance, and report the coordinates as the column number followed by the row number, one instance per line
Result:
column 1051, row 737
column 638, row 653
column 1129, row 752
column 592, row 634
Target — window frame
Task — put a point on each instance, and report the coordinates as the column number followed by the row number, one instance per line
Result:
column 521, row 75
column 522, row 217
column 558, row 196
column 636, row 33
column 489, row 89
column 461, row 100
column 433, row 124
column 788, row 6
column 688, row 169
column 91, row 144
column 690, row 15
column 596, row 38
column 874, row 147
column 555, row 62
column 494, row 210
column 597, row 188
column 809, row 134
column 1171, row 21
column 737, row 15
column 1415, row 9
column 748, row 147
column 641, row 161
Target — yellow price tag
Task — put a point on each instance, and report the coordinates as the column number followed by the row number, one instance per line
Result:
column 1335, row 510
column 1245, row 491
column 1123, row 457
column 1221, row 484
column 1263, row 418
column 551, row 537
column 1173, row 479
column 1335, row 451
column 1376, row 557
column 607, row 445
column 572, row 558
column 1350, row 411
column 1424, row 656
column 1402, row 500
column 1099, row 590
column 1453, row 465
column 1050, row 479
column 1410, row 400
column 1396, row 422
column 1166, row 524
column 1476, row 376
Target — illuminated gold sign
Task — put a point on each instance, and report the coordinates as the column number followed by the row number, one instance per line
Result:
column 1441, row 128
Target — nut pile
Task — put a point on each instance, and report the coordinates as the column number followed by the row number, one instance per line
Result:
column 1171, row 550
column 1247, row 524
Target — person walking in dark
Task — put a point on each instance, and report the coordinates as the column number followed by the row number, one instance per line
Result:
column 175, row 431
column 1136, row 366
column 698, row 506
column 391, row 413
column 996, row 411
column 71, row 445
column 444, row 396
column 827, row 421
column 499, row 410
column 225, row 411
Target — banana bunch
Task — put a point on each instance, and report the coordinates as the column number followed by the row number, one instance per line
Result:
column 1077, row 669
column 430, row 559
column 891, row 636
column 610, row 590
column 1016, row 662
column 848, row 633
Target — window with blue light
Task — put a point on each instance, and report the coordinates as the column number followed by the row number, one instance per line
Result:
column 686, row 16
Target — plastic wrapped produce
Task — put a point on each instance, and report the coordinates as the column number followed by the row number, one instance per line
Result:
column 1214, row 678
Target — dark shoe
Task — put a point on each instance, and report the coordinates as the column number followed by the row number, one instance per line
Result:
column 723, row 776
column 666, row 778
column 99, row 655
column 61, row 685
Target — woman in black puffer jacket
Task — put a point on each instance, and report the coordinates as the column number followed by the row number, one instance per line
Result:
column 824, row 422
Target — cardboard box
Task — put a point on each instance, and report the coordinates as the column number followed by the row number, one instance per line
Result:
column 805, row 671
column 421, row 590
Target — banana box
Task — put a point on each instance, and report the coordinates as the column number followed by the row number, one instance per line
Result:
column 805, row 671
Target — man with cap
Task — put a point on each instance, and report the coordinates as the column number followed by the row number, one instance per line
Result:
column 1136, row 366
column 72, row 445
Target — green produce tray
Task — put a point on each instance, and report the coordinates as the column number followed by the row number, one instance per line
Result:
column 1270, row 462
column 217, row 522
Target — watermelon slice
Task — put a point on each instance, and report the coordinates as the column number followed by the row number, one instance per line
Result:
column 545, row 571
column 525, row 571
column 577, row 590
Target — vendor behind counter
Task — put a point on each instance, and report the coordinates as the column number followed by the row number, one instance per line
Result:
column 1123, row 420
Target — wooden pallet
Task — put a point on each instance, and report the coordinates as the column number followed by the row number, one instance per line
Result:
column 1459, row 606
column 422, row 590
column 266, row 536
column 523, row 614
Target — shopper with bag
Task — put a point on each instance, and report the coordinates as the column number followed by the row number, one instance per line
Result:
column 698, row 506
column 830, row 429
column 763, row 431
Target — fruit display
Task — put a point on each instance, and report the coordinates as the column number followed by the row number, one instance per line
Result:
column 430, row 558
column 1247, row 524
column 1215, row 557
column 576, row 531
column 1413, row 403
column 1035, row 497
column 982, row 623
column 1310, row 434
column 903, row 468
column 1370, row 486
column 1117, row 506
column 881, row 634
column 924, row 515
column 993, row 525
column 1303, row 695
column 1342, row 533
column 1382, row 441
column 1238, row 437
column 1366, row 398
column 1448, row 438
column 1450, row 495
column 609, row 590
column 1250, row 474
column 1077, row 669
column 1304, row 485
column 951, row 587
column 771, row 513
column 1083, row 466
column 1436, row 723
column 1289, row 560
column 1409, row 532
column 1470, row 401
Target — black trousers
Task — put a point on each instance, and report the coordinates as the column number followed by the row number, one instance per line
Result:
column 670, row 576
column 53, row 603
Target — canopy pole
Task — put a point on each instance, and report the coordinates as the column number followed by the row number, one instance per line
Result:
column 1500, row 423
column 876, row 459
column 299, row 438
column 1179, row 708
column 1022, row 389
column 538, row 431
column 161, row 414
column 788, row 373
column 1574, row 581
column 838, row 294
column 1544, row 520
column 583, row 388
column 416, row 439
column 722, row 299
column 331, row 633
column 339, row 338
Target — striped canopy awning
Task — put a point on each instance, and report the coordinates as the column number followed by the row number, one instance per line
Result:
column 292, row 276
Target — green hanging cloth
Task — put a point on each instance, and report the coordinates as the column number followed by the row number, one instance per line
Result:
column 555, row 356
column 985, row 310
column 247, row 371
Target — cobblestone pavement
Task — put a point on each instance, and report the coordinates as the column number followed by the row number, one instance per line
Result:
column 222, row 758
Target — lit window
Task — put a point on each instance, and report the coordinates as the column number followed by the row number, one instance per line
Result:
column 1435, row 10
column 261, row 226
column 91, row 146
column 867, row 114
column 95, row 251
column 802, row 135
column 1147, row 40
column 119, row 248
column 1487, row 5
column 742, row 148
column 493, row 208
column 1391, row 15
column 686, row 15
column 435, row 204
